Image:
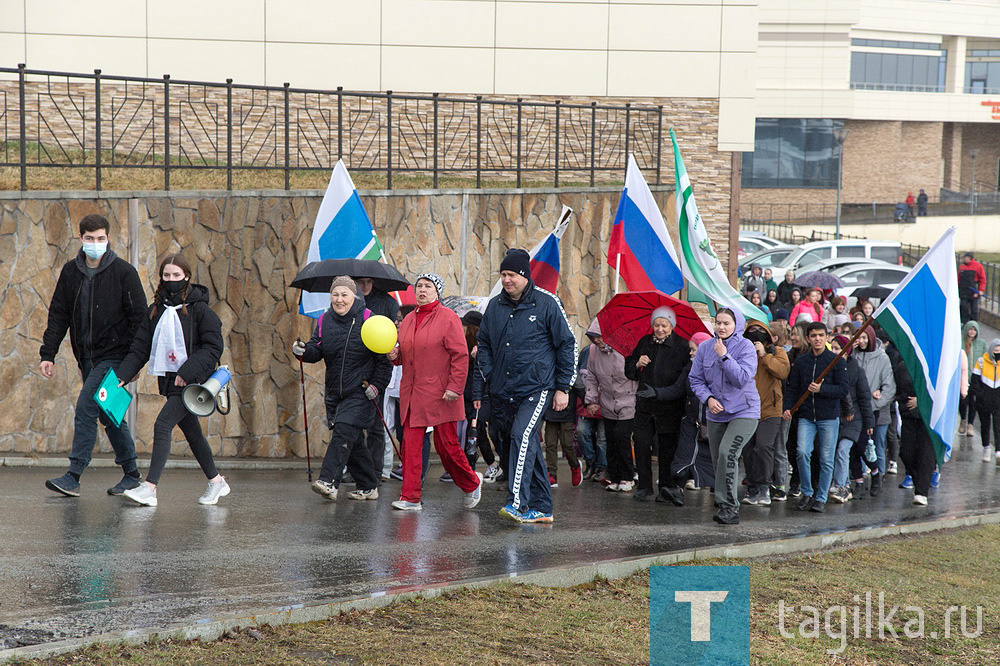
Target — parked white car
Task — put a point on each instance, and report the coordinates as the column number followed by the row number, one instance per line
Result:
column 811, row 253
column 859, row 276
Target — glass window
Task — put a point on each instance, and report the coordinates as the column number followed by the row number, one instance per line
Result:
column 890, row 254
column 860, row 276
column 897, row 71
column 851, row 251
column 792, row 152
column 773, row 258
column 887, row 276
column 814, row 255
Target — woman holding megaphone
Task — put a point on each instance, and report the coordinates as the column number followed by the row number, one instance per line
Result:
column 435, row 360
column 355, row 376
column 181, row 339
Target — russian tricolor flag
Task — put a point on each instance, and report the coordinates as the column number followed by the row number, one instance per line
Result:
column 640, row 248
column 545, row 257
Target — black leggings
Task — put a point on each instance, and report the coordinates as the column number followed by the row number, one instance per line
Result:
column 989, row 420
column 175, row 414
column 619, row 435
column 967, row 408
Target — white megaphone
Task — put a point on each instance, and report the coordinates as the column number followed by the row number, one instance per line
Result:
column 199, row 399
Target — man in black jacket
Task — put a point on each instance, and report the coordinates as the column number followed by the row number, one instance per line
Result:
column 819, row 414
column 101, row 302
column 527, row 354
column 380, row 303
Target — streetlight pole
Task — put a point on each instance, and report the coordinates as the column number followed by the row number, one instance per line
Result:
column 972, row 186
column 840, row 135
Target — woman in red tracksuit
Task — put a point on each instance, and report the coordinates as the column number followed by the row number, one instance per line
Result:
column 435, row 359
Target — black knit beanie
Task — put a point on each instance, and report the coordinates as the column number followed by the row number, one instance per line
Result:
column 517, row 261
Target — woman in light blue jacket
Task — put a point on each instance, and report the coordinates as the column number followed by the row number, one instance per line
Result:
column 722, row 376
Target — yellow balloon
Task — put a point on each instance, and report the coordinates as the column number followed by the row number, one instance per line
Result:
column 379, row 334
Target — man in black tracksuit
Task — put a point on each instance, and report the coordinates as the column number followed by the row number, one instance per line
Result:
column 527, row 355
column 100, row 301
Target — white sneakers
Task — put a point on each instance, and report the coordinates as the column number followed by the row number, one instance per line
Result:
column 472, row 498
column 363, row 494
column 143, row 494
column 987, row 454
column 215, row 490
column 492, row 472
column 324, row 488
column 920, row 500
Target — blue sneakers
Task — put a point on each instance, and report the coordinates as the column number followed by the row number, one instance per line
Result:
column 65, row 485
column 533, row 516
column 907, row 482
column 935, row 479
column 510, row 513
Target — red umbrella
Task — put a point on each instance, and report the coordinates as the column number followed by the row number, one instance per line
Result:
column 625, row 318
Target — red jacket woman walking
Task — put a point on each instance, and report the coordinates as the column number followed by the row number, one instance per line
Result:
column 435, row 360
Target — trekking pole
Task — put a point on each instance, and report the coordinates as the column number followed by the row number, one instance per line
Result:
column 392, row 438
column 305, row 418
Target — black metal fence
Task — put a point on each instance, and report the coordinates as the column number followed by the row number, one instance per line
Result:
column 95, row 121
column 821, row 213
column 786, row 233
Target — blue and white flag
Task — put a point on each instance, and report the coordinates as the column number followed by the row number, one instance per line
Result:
column 922, row 320
column 342, row 231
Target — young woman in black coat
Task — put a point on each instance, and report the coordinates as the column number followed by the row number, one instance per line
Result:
column 177, row 300
column 656, row 362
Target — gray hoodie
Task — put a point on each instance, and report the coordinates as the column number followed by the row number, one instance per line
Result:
column 878, row 371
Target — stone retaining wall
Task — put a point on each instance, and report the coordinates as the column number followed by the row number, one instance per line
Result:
column 246, row 248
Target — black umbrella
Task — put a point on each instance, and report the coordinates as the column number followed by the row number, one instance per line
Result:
column 318, row 275
column 873, row 291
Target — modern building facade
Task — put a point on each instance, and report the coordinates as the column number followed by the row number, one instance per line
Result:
column 916, row 84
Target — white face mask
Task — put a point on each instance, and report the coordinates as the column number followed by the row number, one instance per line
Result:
column 95, row 250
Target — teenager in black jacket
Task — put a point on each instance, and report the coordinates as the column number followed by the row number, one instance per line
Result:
column 177, row 303
column 355, row 377
column 101, row 302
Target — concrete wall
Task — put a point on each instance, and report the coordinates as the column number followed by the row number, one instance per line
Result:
column 977, row 233
column 656, row 48
column 247, row 247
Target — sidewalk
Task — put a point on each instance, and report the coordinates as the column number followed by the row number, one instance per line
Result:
column 97, row 563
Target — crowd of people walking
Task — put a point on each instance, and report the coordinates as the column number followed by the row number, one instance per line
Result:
column 512, row 386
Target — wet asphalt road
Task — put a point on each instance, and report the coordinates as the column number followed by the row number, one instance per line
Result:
column 99, row 563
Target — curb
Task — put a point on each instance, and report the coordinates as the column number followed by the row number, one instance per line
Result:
column 212, row 629
column 143, row 463
column 239, row 464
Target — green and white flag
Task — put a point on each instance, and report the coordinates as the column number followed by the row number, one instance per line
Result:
column 699, row 262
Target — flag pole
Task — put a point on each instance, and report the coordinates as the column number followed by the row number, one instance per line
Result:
column 618, row 271
column 843, row 352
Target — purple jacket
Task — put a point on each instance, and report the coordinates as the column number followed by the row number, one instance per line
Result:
column 729, row 380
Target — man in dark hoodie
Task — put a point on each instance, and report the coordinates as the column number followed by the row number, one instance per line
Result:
column 819, row 414
column 100, row 301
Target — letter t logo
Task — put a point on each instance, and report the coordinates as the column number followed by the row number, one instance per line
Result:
column 701, row 610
